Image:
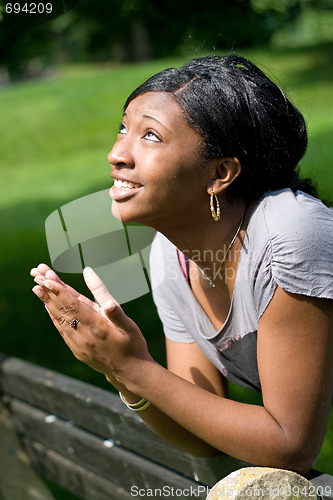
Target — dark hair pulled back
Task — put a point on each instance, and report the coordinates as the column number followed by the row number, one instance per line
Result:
column 240, row 113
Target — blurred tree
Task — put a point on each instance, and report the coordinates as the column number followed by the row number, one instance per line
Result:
column 115, row 30
column 138, row 29
column 134, row 30
column 24, row 33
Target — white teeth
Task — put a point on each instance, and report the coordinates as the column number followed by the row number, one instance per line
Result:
column 125, row 184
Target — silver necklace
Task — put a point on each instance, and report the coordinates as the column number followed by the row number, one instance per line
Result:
column 211, row 280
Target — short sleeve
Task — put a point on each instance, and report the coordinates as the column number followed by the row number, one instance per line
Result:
column 172, row 325
column 166, row 299
column 300, row 256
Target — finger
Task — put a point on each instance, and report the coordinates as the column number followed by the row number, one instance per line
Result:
column 119, row 319
column 40, row 269
column 54, row 321
column 62, row 304
column 109, row 306
column 97, row 288
column 51, row 275
column 34, row 272
column 68, row 339
column 55, row 314
column 63, row 334
column 40, row 292
column 44, row 270
column 61, row 324
column 66, row 306
column 40, row 280
column 48, row 273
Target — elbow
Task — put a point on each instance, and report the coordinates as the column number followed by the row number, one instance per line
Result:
column 303, row 463
column 301, row 466
column 298, row 458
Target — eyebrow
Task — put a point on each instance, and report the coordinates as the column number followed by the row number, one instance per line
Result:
column 155, row 120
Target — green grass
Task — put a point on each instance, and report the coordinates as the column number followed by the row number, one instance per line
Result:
column 55, row 136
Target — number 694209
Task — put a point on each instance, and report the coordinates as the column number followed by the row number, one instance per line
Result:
column 29, row 8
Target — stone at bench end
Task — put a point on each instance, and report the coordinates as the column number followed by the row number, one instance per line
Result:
column 262, row 483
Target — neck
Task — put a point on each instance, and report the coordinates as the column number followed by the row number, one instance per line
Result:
column 205, row 242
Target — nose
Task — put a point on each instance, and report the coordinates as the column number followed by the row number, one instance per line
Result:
column 120, row 154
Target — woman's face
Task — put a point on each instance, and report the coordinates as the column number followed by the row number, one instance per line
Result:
column 160, row 177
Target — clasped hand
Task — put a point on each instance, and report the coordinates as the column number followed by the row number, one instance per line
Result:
column 104, row 337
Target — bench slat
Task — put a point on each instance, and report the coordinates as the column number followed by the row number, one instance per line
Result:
column 73, row 477
column 120, row 466
column 322, row 482
column 102, row 413
column 18, row 479
column 74, row 453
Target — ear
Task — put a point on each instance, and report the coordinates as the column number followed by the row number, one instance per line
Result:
column 225, row 171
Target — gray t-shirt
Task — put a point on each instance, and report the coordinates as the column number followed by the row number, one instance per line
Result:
column 288, row 243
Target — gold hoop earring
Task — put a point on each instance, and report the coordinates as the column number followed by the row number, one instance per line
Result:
column 216, row 214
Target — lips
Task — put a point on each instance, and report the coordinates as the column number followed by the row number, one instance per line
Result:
column 123, row 189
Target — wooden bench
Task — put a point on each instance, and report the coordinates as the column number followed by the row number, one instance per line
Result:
column 85, row 439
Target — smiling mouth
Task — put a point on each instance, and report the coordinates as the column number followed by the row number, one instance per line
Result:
column 124, row 190
column 125, row 184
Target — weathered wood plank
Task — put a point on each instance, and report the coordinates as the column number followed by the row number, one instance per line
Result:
column 72, row 477
column 18, row 479
column 104, row 414
column 121, row 466
column 323, row 484
column 101, row 416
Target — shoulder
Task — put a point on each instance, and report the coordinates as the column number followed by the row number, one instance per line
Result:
column 297, row 231
column 286, row 212
column 296, row 222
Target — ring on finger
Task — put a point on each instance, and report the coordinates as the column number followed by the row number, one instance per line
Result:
column 73, row 323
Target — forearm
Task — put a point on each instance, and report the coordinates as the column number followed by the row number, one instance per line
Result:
column 170, row 430
column 247, row 432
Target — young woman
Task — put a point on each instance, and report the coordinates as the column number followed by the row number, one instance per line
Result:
column 242, row 268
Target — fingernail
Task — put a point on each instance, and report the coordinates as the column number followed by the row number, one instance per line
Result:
column 39, row 280
column 37, row 291
column 87, row 270
column 110, row 306
column 47, row 285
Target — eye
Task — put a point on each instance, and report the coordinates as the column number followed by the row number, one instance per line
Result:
column 151, row 136
column 122, row 129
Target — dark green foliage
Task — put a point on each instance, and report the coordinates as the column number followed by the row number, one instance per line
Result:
column 134, row 30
